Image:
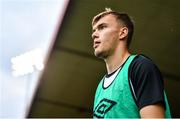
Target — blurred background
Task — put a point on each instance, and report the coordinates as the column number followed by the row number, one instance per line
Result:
column 63, row 82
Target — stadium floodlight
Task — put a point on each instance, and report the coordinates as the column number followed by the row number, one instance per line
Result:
column 27, row 63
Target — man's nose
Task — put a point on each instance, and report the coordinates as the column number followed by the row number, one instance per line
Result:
column 94, row 35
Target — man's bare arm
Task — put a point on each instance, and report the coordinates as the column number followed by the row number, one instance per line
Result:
column 153, row 111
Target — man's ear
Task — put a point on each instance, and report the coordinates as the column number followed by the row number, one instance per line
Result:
column 123, row 33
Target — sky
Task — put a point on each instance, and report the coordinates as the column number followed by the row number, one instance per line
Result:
column 25, row 25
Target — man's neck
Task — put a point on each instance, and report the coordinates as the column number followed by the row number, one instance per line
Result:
column 114, row 61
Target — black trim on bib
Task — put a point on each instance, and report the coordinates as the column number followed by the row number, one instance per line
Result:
column 116, row 75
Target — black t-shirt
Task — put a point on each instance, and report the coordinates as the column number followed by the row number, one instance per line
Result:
column 147, row 82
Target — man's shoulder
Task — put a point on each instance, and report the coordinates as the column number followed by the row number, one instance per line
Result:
column 142, row 63
column 142, row 60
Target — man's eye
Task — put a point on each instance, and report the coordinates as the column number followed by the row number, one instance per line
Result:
column 102, row 27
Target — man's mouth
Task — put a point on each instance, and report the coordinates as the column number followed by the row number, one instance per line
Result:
column 96, row 44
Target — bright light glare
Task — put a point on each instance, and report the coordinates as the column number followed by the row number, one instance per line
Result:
column 27, row 63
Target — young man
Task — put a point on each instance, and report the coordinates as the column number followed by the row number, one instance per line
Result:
column 133, row 85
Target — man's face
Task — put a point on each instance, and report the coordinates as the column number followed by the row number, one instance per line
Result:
column 105, row 36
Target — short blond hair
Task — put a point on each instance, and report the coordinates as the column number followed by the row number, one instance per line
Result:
column 121, row 17
column 100, row 15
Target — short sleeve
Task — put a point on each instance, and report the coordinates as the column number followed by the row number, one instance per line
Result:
column 147, row 82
